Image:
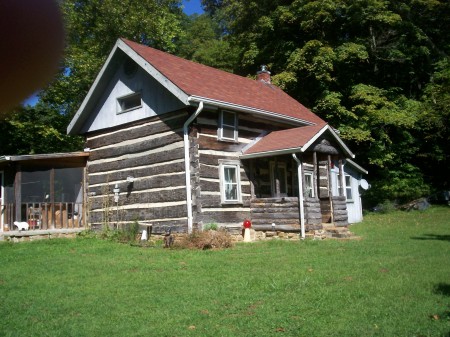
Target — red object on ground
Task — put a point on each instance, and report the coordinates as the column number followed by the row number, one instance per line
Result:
column 247, row 224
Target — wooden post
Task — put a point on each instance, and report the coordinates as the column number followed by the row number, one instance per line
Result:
column 315, row 176
column 18, row 194
column 341, row 179
column 52, row 197
column 330, row 195
column 276, row 179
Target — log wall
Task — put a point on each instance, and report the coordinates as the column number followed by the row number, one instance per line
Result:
column 152, row 153
column 283, row 212
column 206, row 154
column 340, row 214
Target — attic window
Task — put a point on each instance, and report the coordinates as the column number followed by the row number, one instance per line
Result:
column 129, row 102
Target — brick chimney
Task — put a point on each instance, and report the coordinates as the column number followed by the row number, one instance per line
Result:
column 263, row 75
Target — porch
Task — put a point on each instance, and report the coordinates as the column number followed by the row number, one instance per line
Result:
column 283, row 215
column 44, row 215
column 42, row 192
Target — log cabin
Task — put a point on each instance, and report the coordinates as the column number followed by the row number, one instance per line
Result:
column 179, row 145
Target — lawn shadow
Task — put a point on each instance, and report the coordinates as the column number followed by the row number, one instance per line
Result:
column 438, row 237
column 442, row 289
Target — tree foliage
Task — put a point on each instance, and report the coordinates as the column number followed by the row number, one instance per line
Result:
column 377, row 70
column 92, row 27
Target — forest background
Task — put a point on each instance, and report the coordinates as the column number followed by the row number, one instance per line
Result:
column 378, row 71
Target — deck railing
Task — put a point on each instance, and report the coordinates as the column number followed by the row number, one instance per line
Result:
column 45, row 215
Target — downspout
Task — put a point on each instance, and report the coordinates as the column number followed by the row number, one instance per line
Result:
column 300, row 195
column 187, row 164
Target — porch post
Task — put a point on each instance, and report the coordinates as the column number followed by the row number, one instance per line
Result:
column 316, row 177
column 341, row 178
column 52, row 198
column 330, row 194
column 18, row 193
column 300, row 194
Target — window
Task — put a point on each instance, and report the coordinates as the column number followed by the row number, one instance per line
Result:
column 309, row 185
column 347, row 187
column 278, row 174
column 228, row 126
column 230, row 184
column 129, row 102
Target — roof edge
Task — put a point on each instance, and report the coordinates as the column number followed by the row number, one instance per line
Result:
column 356, row 166
column 242, row 108
column 43, row 156
column 271, row 153
column 336, row 137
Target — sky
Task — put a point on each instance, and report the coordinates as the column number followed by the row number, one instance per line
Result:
column 190, row 7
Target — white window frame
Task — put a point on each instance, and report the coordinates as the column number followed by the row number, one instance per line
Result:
column 234, row 126
column 121, row 99
column 309, row 188
column 222, row 166
column 347, row 187
column 272, row 178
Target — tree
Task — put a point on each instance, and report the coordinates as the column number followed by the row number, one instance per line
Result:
column 203, row 41
column 92, row 27
column 372, row 68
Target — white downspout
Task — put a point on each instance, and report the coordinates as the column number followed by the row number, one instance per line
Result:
column 187, row 165
column 300, row 195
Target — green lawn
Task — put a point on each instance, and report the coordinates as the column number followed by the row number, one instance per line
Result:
column 395, row 281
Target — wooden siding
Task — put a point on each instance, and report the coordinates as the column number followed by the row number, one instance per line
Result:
column 156, row 100
column 152, row 153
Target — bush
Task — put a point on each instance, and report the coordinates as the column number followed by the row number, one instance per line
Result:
column 211, row 227
column 210, row 239
column 385, row 207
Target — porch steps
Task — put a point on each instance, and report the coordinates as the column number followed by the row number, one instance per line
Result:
column 338, row 232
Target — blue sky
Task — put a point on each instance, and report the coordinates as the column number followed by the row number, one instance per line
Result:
column 190, row 7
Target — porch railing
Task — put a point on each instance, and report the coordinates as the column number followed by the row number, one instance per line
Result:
column 45, row 215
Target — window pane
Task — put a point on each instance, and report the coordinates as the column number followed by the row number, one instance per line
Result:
column 349, row 193
column 230, row 183
column 308, row 185
column 68, row 184
column 228, row 132
column 130, row 102
column 230, row 175
column 35, row 186
column 228, row 118
column 231, row 192
column 347, row 181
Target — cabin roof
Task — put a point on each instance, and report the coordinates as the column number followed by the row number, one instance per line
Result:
column 293, row 140
column 203, row 81
column 192, row 82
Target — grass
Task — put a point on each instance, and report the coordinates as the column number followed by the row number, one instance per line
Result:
column 395, row 281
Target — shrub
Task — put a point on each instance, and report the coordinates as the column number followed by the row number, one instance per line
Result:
column 210, row 239
column 211, row 227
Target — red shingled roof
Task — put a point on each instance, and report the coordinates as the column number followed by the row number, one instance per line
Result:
column 200, row 80
column 285, row 139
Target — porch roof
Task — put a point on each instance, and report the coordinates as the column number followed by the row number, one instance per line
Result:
column 292, row 141
column 68, row 158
